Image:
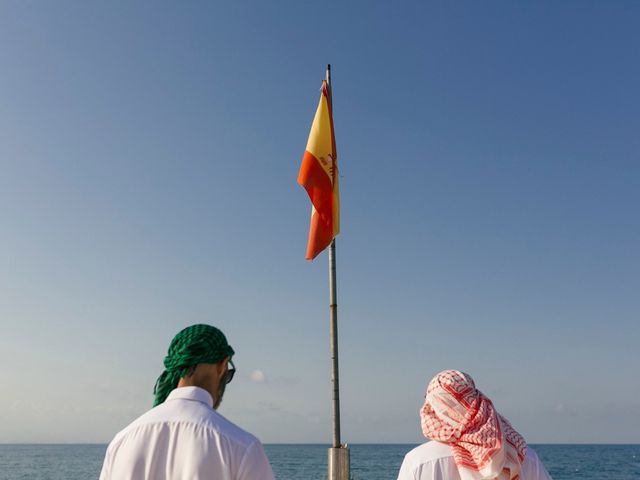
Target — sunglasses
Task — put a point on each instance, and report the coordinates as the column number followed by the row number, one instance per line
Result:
column 228, row 375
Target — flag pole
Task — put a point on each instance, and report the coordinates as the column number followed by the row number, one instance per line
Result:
column 338, row 465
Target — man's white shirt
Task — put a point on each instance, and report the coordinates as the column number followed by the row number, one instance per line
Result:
column 185, row 438
column 434, row 461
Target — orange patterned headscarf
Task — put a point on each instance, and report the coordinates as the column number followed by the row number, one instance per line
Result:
column 485, row 445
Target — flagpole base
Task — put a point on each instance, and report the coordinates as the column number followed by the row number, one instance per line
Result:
column 339, row 463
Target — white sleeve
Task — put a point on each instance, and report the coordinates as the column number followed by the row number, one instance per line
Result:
column 255, row 464
column 407, row 471
column 104, row 474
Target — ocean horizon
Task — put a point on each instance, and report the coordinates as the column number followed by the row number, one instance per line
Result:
column 370, row 461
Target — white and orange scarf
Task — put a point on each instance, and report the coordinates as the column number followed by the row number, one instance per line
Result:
column 485, row 446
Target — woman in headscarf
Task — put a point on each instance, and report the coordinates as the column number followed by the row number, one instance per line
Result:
column 469, row 439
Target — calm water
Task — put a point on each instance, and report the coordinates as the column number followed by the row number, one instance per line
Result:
column 309, row 462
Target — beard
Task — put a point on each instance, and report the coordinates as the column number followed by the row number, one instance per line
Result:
column 219, row 394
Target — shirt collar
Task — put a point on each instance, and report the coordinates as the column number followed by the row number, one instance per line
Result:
column 191, row 393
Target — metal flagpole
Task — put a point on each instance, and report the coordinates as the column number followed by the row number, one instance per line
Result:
column 338, row 464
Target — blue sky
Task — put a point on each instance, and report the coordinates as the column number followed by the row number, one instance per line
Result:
column 490, row 185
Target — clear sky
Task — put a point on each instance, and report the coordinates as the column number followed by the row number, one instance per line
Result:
column 490, row 183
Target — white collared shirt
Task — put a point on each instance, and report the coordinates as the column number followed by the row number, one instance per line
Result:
column 434, row 461
column 185, row 438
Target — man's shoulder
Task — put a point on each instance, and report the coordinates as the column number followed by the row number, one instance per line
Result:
column 431, row 460
column 429, row 451
column 531, row 453
column 230, row 430
column 196, row 418
column 533, row 467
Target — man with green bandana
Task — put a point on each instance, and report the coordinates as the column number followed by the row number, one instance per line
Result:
column 183, row 436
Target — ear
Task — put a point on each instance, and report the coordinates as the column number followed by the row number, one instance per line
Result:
column 222, row 367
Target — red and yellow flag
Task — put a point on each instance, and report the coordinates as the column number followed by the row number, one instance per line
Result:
column 319, row 176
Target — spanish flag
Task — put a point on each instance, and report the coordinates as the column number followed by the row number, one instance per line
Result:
column 319, row 176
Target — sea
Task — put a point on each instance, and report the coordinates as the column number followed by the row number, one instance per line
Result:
column 309, row 462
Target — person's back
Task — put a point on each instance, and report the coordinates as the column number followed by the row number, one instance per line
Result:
column 434, row 461
column 184, row 438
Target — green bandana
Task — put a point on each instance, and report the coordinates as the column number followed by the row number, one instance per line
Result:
column 191, row 346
